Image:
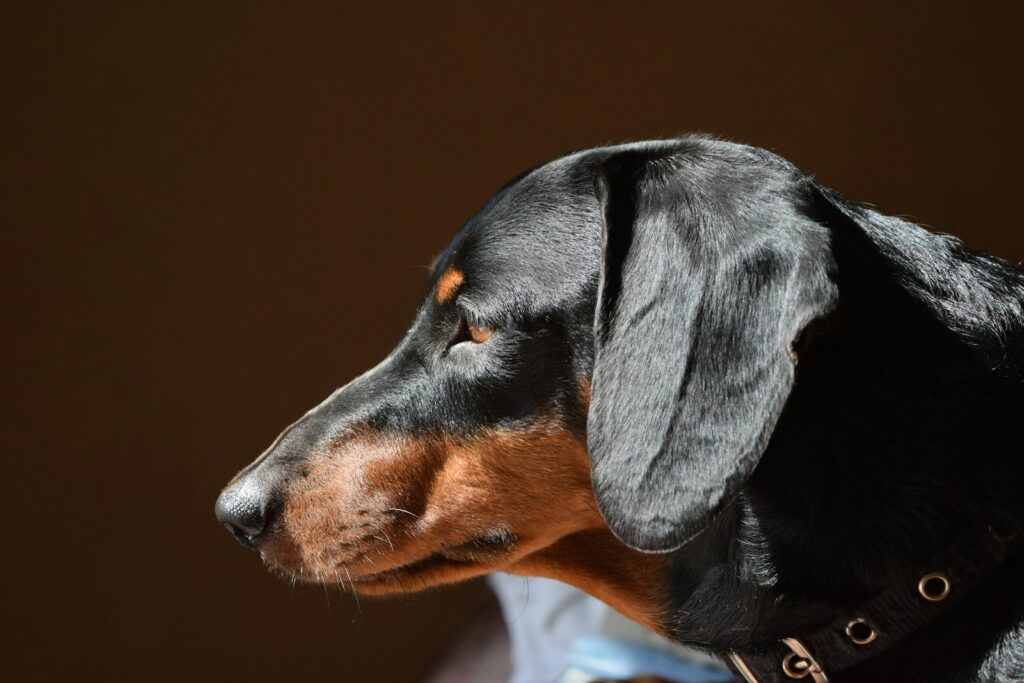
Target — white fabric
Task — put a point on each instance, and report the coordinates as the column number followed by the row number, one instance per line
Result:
column 559, row 633
column 544, row 619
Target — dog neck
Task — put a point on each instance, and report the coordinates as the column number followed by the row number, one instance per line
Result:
column 898, row 439
column 631, row 582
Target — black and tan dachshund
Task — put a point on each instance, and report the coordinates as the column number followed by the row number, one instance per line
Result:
column 688, row 379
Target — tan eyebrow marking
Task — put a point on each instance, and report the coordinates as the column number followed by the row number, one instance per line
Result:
column 448, row 284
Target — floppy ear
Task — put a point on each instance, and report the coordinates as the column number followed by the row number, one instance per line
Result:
column 710, row 273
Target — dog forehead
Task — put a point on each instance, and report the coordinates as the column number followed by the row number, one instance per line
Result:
column 540, row 234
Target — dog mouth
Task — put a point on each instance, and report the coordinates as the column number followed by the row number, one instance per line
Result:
column 395, row 576
column 480, row 554
column 479, row 550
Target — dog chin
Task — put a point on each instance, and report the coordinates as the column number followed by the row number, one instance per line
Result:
column 434, row 570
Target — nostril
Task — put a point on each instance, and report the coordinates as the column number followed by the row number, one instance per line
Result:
column 246, row 539
column 242, row 508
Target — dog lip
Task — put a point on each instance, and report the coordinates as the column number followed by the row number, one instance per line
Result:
column 467, row 553
column 385, row 574
column 496, row 541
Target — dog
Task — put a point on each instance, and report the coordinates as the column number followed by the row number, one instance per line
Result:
column 689, row 379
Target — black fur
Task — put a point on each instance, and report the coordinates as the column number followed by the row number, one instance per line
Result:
column 684, row 277
column 710, row 273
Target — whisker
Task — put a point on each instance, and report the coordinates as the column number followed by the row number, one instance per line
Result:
column 367, row 558
column 353, row 584
column 412, row 514
column 386, row 537
column 340, row 582
column 379, row 538
column 327, row 595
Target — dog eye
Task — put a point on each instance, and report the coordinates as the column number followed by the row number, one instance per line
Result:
column 471, row 332
column 479, row 334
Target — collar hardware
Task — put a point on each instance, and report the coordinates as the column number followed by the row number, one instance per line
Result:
column 743, row 668
column 800, row 663
column 883, row 620
column 860, row 632
column 934, row 587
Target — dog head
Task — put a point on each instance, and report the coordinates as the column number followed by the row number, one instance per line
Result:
column 598, row 365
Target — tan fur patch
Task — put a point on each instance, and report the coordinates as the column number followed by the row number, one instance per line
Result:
column 632, row 582
column 448, row 284
column 389, row 514
column 583, row 394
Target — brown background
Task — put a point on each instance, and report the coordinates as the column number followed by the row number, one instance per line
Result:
column 213, row 215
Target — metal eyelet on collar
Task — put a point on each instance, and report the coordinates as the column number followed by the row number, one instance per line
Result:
column 934, row 587
column 860, row 632
column 969, row 563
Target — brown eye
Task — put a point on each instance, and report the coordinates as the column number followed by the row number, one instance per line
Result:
column 479, row 334
column 470, row 332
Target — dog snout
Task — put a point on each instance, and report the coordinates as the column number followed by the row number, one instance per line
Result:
column 246, row 508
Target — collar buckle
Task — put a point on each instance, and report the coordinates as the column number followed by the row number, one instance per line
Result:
column 799, row 663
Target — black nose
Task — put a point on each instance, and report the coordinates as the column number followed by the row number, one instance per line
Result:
column 245, row 509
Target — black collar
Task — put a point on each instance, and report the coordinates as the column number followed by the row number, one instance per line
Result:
column 882, row 621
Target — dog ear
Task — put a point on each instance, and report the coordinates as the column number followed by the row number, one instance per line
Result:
column 710, row 272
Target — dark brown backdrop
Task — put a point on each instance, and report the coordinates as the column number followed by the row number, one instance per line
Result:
column 213, row 215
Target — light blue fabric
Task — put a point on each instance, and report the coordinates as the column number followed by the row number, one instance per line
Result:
column 616, row 659
column 544, row 618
